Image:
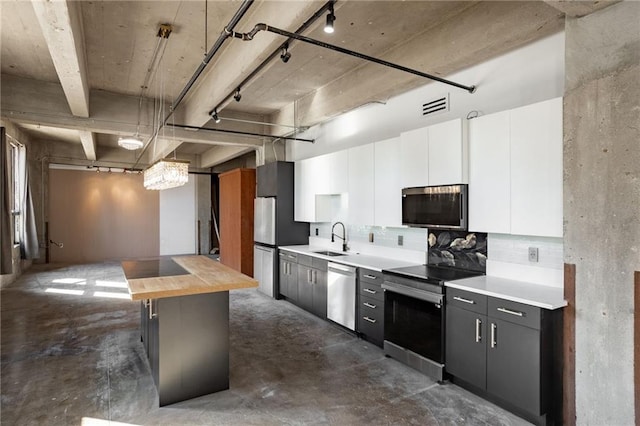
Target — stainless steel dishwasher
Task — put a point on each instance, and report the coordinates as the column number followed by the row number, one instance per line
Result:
column 341, row 294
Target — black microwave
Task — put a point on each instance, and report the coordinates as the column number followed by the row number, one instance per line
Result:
column 443, row 207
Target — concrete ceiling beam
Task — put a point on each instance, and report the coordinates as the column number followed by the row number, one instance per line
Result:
column 442, row 50
column 36, row 102
column 222, row 154
column 61, row 25
column 88, row 140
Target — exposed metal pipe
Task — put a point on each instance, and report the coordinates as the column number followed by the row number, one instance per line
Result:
column 264, row 27
column 224, row 35
column 319, row 13
column 238, row 132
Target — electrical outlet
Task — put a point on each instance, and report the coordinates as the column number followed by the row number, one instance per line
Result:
column 400, row 240
column 316, row 232
column 533, row 254
column 370, row 237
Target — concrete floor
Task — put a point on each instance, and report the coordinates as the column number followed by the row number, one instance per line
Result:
column 71, row 355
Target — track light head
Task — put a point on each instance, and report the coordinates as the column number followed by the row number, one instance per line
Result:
column 285, row 55
column 237, row 96
column 214, row 115
column 331, row 17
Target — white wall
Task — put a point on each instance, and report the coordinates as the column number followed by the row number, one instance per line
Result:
column 530, row 74
column 178, row 219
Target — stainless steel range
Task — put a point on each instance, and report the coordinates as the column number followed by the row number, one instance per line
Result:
column 414, row 315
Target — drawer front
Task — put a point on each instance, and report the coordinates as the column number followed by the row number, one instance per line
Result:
column 514, row 312
column 319, row 263
column 371, row 320
column 303, row 259
column 372, row 309
column 373, row 291
column 289, row 255
column 467, row 300
column 367, row 275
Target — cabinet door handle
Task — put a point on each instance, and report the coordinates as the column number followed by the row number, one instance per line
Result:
column 372, row 321
column 152, row 315
column 510, row 312
column 309, row 276
column 368, row 290
column 315, row 277
column 369, row 305
column 494, row 342
column 463, row 300
column 371, row 277
column 478, row 335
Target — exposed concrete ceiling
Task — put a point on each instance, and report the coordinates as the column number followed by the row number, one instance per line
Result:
column 81, row 66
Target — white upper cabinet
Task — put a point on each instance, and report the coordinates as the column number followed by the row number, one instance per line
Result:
column 323, row 175
column 515, row 171
column 489, row 174
column 361, row 181
column 448, row 153
column 536, row 169
column 304, row 190
column 414, row 152
column 388, row 188
column 332, row 171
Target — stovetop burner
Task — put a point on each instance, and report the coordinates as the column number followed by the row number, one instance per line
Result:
column 433, row 272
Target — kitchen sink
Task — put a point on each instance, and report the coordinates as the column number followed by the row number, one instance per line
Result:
column 329, row 253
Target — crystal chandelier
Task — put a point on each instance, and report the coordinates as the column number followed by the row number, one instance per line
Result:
column 166, row 174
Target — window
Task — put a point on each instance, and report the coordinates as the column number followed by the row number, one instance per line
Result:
column 16, row 191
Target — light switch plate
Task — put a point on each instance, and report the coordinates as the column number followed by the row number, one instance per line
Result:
column 400, row 240
column 533, row 254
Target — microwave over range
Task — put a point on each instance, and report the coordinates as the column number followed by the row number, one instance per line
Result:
column 442, row 207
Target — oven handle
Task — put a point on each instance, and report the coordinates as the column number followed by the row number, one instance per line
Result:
column 411, row 292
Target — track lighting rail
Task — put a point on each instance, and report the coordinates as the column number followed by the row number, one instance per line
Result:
column 238, row 132
column 281, row 52
column 264, row 27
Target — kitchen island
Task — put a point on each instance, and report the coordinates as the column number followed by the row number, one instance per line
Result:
column 184, row 317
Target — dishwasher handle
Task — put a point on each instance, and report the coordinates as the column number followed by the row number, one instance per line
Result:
column 341, row 269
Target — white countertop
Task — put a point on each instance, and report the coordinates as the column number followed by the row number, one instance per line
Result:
column 517, row 291
column 352, row 259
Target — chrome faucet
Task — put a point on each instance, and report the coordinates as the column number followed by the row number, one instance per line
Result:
column 343, row 238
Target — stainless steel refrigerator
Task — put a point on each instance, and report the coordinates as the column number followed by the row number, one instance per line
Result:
column 273, row 224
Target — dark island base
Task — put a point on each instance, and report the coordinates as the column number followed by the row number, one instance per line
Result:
column 187, row 341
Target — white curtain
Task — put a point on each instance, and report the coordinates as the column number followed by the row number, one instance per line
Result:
column 6, row 238
column 28, row 235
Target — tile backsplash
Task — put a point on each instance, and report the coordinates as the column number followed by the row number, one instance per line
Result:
column 412, row 238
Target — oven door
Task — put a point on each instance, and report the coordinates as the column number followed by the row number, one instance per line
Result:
column 413, row 320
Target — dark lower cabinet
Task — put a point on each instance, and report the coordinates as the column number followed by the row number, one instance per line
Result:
column 187, row 343
column 305, row 287
column 466, row 349
column 513, row 365
column 370, row 312
column 303, row 281
column 288, row 282
column 508, row 352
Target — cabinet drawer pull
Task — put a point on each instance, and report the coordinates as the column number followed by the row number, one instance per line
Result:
column 478, row 324
column 494, row 343
column 371, row 277
column 372, row 321
column 510, row 312
column 369, row 305
column 463, row 300
column 368, row 290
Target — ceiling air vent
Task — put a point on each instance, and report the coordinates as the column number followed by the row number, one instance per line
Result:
column 436, row 105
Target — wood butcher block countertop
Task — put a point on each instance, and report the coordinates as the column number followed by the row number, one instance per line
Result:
column 203, row 275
